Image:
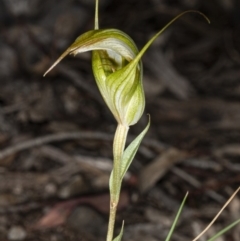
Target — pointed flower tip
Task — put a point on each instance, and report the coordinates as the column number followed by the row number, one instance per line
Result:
column 57, row 61
column 51, row 68
column 201, row 13
column 47, row 71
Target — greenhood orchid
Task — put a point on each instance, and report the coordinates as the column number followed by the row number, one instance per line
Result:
column 117, row 68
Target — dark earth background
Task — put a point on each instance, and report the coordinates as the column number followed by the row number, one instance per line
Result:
column 56, row 133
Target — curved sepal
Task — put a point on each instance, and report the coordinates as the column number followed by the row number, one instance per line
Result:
column 102, row 39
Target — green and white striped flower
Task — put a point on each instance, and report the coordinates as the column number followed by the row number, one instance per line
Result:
column 117, row 69
column 118, row 77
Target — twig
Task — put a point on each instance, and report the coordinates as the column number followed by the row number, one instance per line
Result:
column 218, row 214
column 53, row 138
column 194, row 182
column 39, row 141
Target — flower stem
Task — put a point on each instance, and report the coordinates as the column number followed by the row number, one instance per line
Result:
column 111, row 222
column 118, row 148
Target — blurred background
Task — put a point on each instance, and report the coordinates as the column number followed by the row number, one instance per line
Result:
column 56, row 133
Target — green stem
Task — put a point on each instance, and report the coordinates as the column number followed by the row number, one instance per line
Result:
column 111, row 222
column 96, row 25
column 118, row 148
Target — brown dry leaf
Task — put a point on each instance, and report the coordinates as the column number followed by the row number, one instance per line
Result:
column 150, row 174
column 57, row 215
column 61, row 211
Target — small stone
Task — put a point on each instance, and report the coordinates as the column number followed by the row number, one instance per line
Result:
column 87, row 221
column 50, row 189
column 16, row 233
column 75, row 186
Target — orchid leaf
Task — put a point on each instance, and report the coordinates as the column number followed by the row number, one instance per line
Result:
column 119, row 237
column 131, row 150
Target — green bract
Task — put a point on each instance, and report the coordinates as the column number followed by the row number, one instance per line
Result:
column 118, row 78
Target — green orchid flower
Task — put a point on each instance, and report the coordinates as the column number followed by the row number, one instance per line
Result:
column 119, row 81
column 117, row 69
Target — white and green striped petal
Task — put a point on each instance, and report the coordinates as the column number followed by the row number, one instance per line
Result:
column 119, row 81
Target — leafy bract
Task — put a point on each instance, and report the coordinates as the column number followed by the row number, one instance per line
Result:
column 131, row 151
column 119, row 237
